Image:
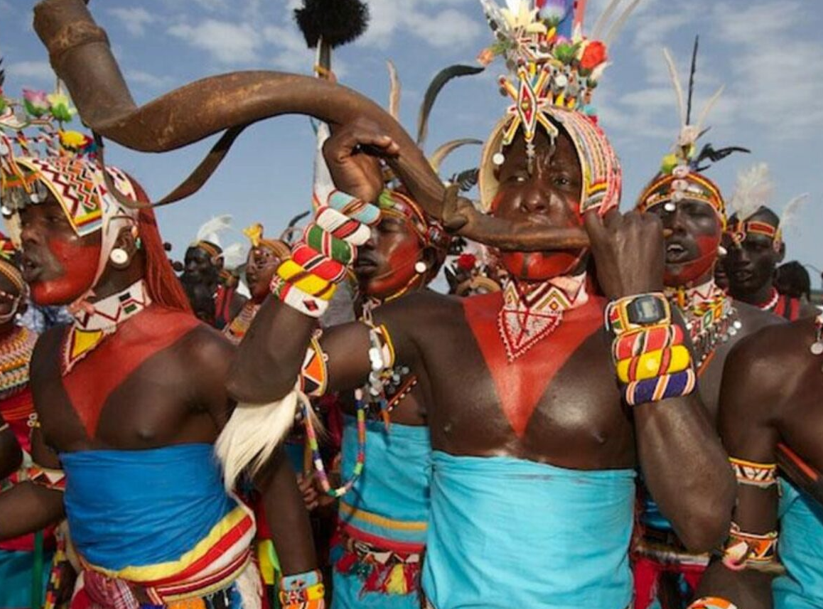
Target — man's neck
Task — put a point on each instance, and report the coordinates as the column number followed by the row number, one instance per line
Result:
column 759, row 298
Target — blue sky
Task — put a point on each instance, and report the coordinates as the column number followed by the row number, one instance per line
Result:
column 768, row 53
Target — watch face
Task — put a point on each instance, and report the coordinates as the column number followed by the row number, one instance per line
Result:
column 646, row 310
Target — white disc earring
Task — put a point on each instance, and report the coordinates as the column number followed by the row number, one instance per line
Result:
column 722, row 251
column 119, row 256
column 420, row 267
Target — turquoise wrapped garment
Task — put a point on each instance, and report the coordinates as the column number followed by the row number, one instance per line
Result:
column 387, row 508
column 801, row 551
column 140, row 514
column 509, row 533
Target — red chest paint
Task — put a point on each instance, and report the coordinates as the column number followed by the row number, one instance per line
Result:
column 93, row 379
column 521, row 384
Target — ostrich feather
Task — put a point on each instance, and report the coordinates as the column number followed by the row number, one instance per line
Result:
column 394, row 91
column 210, row 230
column 618, row 25
column 754, row 190
column 678, row 88
column 605, row 16
column 788, row 220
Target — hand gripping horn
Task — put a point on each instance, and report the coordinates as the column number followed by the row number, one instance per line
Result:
column 80, row 55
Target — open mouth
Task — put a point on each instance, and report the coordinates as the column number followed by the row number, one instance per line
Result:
column 676, row 253
column 31, row 269
column 742, row 275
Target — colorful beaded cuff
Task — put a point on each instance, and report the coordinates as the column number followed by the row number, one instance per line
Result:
column 749, row 473
column 744, row 550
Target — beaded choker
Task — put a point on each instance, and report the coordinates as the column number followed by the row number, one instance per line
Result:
column 15, row 355
column 525, row 319
column 93, row 322
column 774, row 298
column 710, row 315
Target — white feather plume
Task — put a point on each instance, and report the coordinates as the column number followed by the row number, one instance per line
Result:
column 234, row 256
column 618, row 25
column 600, row 25
column 678, row 87
column 754, row 190
column 210, row 230
column 253, row 432
column 788, row 220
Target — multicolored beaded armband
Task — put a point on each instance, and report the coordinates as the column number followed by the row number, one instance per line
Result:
column 712, row 602
column 745, row 550
column 303, row 591
column 651, row 358
column 749, row 473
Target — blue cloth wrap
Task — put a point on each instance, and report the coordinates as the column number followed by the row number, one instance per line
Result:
column 801, row 551
column 510, row 533
column 140, row 508
column 395, row 482
column 394, row 485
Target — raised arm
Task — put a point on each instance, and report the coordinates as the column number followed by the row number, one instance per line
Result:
column 749, row 396
column 682, row 459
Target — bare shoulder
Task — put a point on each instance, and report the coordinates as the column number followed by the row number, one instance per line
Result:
column 423, row 307
column 205, row 346
column 759, row 363
column 45, row 350
column 754, row 318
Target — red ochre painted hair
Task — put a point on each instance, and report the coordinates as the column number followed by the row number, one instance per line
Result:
column 163, row 286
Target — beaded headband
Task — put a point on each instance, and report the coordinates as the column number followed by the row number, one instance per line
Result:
column 38, row 157
column 680, row 178
column 554, row 70
column 753, row 195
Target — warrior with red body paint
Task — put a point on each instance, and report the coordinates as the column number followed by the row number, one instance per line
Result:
column 539, row 415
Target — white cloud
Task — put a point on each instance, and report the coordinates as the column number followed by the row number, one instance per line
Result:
column 446, row 28
column 148, row 80
column 134, row 19
column 38, row 71
column 292, row 55
column 227, row 43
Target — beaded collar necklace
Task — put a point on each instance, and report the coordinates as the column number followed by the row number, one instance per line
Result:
column 15, row 355
column 711, row 318
column 527, row 318
column 93, row 322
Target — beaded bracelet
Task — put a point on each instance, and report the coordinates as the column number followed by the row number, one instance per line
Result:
column 653, row 364
column 712, row 602
column 297, row 299
column 661, row 388
column 749, row 473
column 744, row 549
column 303, row 591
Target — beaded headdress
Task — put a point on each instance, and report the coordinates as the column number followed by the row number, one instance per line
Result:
column 754, row 193
column 39, row 158
column 553, row 72
column 681, row 174
column 255, row 234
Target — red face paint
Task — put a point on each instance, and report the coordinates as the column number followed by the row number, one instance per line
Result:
column 385, row 266
column 690, row 272
column 78, row 263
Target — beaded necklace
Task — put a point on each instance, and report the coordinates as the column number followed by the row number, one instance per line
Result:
column 15, row 355
column 773, row 300
column 94, row 322
column 710, row 316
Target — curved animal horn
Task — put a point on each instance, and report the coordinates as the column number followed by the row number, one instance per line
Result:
column 80, row 55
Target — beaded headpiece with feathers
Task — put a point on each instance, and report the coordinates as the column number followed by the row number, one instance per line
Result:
column 680, row 177
column 754, row 193
column 554, row 70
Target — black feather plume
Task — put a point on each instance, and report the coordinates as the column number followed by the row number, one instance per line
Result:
column 293, row 222
column 708, row 153
column 467, row 179
column 337, row 22
column 437, row 84
column 2, row 74
column 691, row 81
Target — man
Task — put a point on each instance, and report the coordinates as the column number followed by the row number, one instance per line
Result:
column 794, row 283
column 769, row 397
column 130, row 399
column 757, row 247
column 203, row 266
column 693, row 212
column 20, row 561
column 382, row 519
column 533, row 450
